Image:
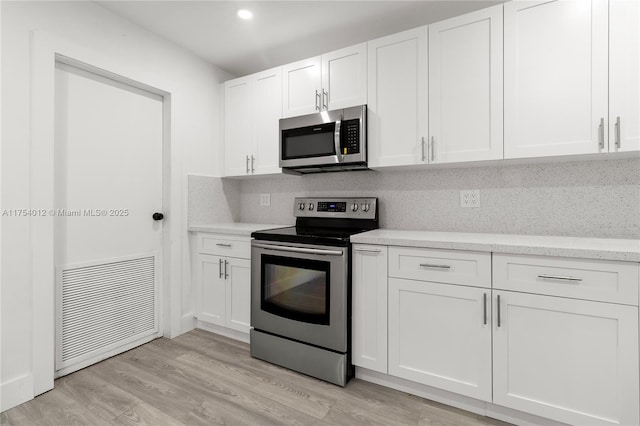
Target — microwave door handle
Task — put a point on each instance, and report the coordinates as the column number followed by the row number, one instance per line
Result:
column 336, row 140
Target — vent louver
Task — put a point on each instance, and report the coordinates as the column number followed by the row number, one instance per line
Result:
column 104, row 305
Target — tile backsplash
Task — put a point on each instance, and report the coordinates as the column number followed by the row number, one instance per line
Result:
column 212, row 200
column 584, row 198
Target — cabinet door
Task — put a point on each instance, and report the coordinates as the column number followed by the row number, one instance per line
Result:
column 210, row 275
column 465, row 87
column 624, row 75
column 369, row 314
column 397, row 95
column 344, row 77
column 238, row 124
column 238, row 294
column 555, row 77
column 440, row 335
column 267, row 98
column 301, row 87
column 569, row 360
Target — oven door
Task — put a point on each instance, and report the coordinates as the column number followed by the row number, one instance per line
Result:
column 300, row 291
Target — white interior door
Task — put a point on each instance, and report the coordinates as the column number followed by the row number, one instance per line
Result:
column 108, row 184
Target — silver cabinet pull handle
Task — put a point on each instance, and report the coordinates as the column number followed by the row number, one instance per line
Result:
column 220, row 266
column 423, row 148
column 601, row 133
column 223, row 245
column 367, row 250
column 499, row 319
column 226, row 275
column 325, row 99
column 252, row 160
column 433, row 148
column 247, row 158
column 429, row 265
column 617, row 132
column 559, row 277
column 317, row 101
column 484, row 297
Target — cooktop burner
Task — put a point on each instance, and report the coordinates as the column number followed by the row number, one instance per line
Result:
column 326, row 221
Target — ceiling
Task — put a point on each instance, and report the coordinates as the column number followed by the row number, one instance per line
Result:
column 281, row 31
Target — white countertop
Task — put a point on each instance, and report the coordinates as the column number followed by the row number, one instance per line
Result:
column 233, row 228
column 586, row 248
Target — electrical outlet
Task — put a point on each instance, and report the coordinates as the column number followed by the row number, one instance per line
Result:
column 265, row 199
column 470, row 198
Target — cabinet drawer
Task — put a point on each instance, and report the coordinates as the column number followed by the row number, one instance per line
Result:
column 224, row 245
column 598, row 280
column 443, row 266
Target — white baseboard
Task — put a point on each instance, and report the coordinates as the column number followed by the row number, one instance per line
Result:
column 187, row 323
column 465, row 403
column 16, row 391
column 223, row 331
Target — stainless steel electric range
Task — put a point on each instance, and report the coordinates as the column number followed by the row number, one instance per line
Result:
column 301, row 287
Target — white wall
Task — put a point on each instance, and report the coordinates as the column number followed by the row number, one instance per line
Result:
column 195, row 135
column 582, row 198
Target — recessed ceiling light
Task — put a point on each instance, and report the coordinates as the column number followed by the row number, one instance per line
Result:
column 245, row 14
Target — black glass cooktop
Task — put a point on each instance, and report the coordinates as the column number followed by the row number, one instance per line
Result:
column 309, row 235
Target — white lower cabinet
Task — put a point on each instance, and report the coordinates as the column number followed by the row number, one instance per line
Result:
column 570, row 360
column 226, row 291
column 238, row 294
column 224, row 282
column 369, row 316
column 440, row 335
column 546, row 336
column 212, row 307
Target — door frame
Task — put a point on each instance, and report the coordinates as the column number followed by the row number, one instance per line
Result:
column 46, row 50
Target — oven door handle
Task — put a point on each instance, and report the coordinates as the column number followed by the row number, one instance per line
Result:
column 299, row 249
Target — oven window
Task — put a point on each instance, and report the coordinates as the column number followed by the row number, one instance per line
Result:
column 314, row 141
column 296, row 289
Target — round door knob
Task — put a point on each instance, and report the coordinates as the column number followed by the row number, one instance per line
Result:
column 158, row 216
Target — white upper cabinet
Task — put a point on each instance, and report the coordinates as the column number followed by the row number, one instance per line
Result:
column 344, row 77
column 555, row 77
column 268, row 111
column 302, row 87
column 253, row 106
column 238, row 129
column 465, row 87
column 624, row 75
column 397, row 99
column 334, row 80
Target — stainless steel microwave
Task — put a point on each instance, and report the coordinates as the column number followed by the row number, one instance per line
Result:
column 326, row 141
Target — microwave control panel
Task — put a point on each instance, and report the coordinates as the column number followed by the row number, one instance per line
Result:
column 350, row 140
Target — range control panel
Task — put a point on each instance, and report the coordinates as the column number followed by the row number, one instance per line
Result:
column 351, row 208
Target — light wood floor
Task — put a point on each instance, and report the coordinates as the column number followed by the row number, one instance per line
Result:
column 201, row 378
